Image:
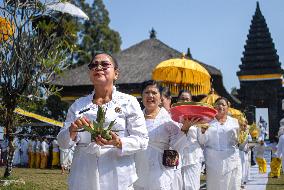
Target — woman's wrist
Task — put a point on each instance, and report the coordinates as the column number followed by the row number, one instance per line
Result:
column 118, row 144
column 184, row 130
column 72, row 133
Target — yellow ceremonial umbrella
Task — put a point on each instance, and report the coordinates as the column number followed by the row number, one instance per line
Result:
column 211, row 98
column 6, row 29
column 184, row 74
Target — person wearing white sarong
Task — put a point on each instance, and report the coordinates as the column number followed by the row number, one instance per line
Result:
column 17, row 154
column 66, row 156
column 244, row 151
column 24, row 152
column 44, row 153
column 166, row 103
column 104, row 165
column 164, row 134
column 192, row 157
column 221, row 152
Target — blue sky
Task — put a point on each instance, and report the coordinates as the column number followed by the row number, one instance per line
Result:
column 214, row 30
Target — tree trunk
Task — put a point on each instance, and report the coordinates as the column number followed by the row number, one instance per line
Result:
column 10, row 159
column 10, row 137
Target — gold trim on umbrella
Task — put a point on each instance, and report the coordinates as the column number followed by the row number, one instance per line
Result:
column 183, row 73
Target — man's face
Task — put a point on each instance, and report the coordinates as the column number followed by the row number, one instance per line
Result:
column 184, row 97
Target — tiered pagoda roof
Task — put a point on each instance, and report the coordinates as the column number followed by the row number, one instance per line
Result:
column 260, row 56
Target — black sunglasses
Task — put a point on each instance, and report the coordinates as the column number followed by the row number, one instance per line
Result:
column 104, row 65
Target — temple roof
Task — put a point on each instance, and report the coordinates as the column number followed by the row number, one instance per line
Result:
column 260, row 56
column 136, row 64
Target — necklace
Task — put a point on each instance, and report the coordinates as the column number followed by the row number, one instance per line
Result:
column 152, row 115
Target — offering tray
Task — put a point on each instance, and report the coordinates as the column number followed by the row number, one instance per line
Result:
column 192, row 110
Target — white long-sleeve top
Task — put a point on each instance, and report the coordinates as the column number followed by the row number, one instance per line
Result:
column 192, row 153
column 24, row 145
column 44, row 147
column 38, row 146
column 163, row 134
column 220, row 141
column 273, row 147
column 30, row 145
column 280, row 147
column 260, row 150
column 34, row 143
column 106, row 168
column 55, row 146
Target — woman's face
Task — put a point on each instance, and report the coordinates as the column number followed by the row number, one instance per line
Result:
column 166, row 102
column 222, row 107
column 102, row 70
column 151, row 97
column 184, row 97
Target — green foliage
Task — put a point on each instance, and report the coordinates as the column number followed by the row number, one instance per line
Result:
column 98, row 126
column 96, row 34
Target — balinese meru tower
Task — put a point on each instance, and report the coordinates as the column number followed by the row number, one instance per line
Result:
column 260, row 73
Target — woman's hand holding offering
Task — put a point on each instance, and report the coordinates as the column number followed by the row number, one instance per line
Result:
column 115, row 141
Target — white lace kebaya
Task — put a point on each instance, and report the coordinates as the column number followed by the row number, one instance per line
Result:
column 97, row 167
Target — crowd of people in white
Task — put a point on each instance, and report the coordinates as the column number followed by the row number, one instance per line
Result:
column 37, row 152
column 148, row 150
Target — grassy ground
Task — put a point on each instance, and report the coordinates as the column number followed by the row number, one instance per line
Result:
column 37, row 179
column 275, row 183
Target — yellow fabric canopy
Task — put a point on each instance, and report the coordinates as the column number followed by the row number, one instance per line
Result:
column 211, row 98
column 235, row 113
column 6, row 29
column 183, row 73
column 38, row 117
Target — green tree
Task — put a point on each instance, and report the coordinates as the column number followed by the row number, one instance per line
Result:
column 96, row 34
column 31, row 52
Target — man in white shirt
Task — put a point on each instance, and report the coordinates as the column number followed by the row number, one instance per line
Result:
column 44, row 153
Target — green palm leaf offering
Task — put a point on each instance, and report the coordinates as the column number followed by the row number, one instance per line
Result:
column 98, row 128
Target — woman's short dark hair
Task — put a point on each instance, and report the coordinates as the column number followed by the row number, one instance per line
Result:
column 165, row 91
column 114, row 61
column 149, row 83
column 183, row 91
column 222, row 98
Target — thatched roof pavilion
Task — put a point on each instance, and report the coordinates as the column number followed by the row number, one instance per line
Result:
column 136, row 64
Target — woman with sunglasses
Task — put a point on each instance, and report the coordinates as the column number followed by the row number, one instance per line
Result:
column 99, row 163
column 222, row 157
